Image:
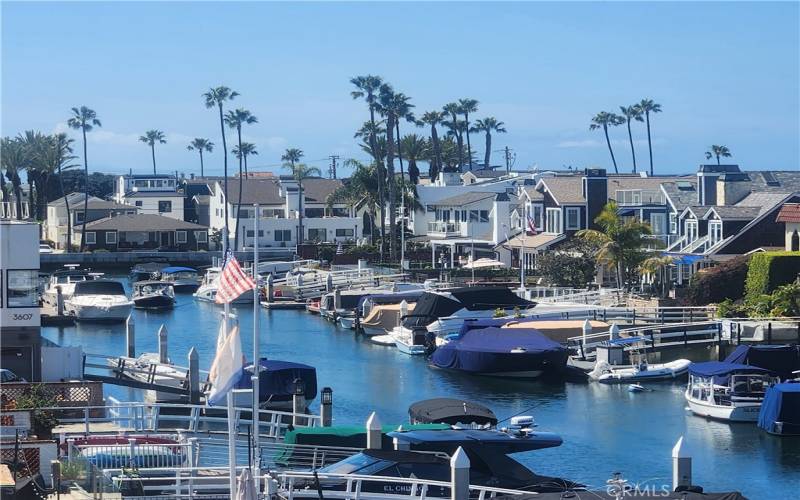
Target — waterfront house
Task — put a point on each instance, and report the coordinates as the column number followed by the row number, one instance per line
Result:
column 55, row 227
column 145, row 232
column 789, row 215
column 158, row 194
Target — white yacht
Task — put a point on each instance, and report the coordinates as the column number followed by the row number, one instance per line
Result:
column 66, row 279
column 727, row 391
column 207, row 290
column 99, row 300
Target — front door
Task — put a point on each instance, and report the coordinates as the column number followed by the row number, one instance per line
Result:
column 658, row 223
column 165, row 239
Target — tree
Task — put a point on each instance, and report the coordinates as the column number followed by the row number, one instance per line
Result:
column 434, row 118
column 235, row 119
column 453, row 110
column 32, row 142
column 468, row 106
column 620, row 242
column 14, row 160
column 368, row 88
column 631, row 113
column 388, row 106
column 299, row 172
column 571, row 264
column 151, row 137
column 489, row 125
column 648, row 106
column 603, row 120
column 657, row 267
column 361, row 186
column 247, row 149
column 56, row 156
column 718, row 152
column 199, row 144
column 415, row 148
column 84, row 119
column 217, row 97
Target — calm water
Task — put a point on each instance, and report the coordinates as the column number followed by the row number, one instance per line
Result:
column 605, row 429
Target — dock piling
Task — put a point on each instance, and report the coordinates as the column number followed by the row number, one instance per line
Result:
column 194, row 376
column 326, row 407
column 162, row 345
column 459, row 475
column 59, row 301
column 270, row 288
column 585, row 330
column 613, row 332
column 329, row 283
column 374, row 432
column 298, row 401
column 130, row 337
column 337, row 298
column 681, row 466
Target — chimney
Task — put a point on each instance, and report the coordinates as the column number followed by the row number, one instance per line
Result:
column 707, row 176
column 500, row 212
column 291, row 192
column 732, row 188
column 595, row 190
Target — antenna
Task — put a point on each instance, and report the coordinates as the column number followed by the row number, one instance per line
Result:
column 332, row 166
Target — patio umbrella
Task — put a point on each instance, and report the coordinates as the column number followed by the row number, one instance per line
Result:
column 246, row 487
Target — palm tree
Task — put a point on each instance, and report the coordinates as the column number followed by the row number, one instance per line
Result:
column 235, row 119
column 468, row 106
column 151, row 137
column 13, row 159
column 292, row 156
column 603, row 120
column 55, row 155
column 657, row 266
column 718, row 152
column 247, row 149
column 388, row 106
column 621, row 242
column 216, row 97
column 199, row 144
column 368, row 88
column 434, row 118
column 84, row 119
column 415, row 148
column 649, row 106
column 631, row 113
column 299, row 172
column 362, row 186
column 32, row 143
column 454, row 110
column 489, row 125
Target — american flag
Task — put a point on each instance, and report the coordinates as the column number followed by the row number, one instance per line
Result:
column 531, row 226
column 233, row 281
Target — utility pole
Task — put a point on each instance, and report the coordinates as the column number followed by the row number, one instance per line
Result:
column 508, row 158
column 332, row 167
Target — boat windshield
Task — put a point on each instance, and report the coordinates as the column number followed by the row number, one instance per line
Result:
column 358, row 464
column 70, row 278
column 99, row 288
column 182, row 275
column 750, row 384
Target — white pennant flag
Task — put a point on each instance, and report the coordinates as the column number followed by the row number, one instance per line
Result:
column 228, row 365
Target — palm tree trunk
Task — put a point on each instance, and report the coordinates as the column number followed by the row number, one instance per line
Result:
column 402, row 179
column 153, row 151
column 300, row 236
column 66, row 206
column 392, row 184
column 225, row 181
column 201, row 163
column 379, row 165
column 649, row 142
column 633, row 151
column 246, row 174
column 85, row 189
column 437, row 152
column 488, row 155
column 239, row 201
column 620, row 279
column 469, row 147
column 610, row 150
column 717, row 159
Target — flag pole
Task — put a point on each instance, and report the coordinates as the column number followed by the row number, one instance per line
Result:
column 256, row 348
column 231, row 410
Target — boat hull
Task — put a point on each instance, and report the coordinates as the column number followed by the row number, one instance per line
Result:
column 101, row 313
column 737, row 413
column 410, row 349
column 347, row 322
column 525, row 365
column 371, row 331
column 154, row 302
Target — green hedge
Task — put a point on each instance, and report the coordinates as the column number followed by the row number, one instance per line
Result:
column 713, row 285
column 769, row 270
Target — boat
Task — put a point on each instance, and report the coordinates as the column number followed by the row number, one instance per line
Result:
column 182, row 279
column 384, row 340
column 417, row 342
column 277, row 384
column 727, row 391
column 368, row 302
column 559, row 330
column 780, row 410
column 637, row 388
column 153, row 295
column 640, row 370
column 383, row 318
column 147, row 368
column 782, row 360
column 66, row 279
column 499, row 352
column 99, row 300
column 451, row 411
column 312, row 306
column 207, row 291
column 146, row 271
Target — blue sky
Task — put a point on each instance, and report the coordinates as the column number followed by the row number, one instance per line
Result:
column 725, row 73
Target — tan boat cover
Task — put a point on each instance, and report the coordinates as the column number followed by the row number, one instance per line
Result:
column 560, row 330
column 385, row 316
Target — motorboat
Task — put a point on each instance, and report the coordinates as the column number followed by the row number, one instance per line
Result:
column 66, row 280
column 207, row 291
column 182, row 279
column 502, row 352
column 277, row 384
column 383, row 318
column 727, row 391
column 416, row 342
column 640, row 370
column 153, row 295
column 780, row 410
column 146, row 271
column 99, row 300
column 384, row 340
column 312, row 306
column 559, row 330
column 782, row 360
column 366, row 304
column 148, row 368
column 451, row 411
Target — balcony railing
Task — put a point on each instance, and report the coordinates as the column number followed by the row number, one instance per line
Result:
column 8, row 210
column 444, row 228
column 636, row 197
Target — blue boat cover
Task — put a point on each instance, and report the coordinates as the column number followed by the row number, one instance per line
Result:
column 781, row 404
column 721, row 370
column 781, row 359
column 276, row 382
column 177, row 269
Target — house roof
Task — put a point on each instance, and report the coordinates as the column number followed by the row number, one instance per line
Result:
column 73, row 198
column 485, row 173
column 681, row 193
column 734, row 212
column 464, row 198
column 790, row 212
column 533, row 193
column 317, row 190
column 566, row 190
column 616, row 182
column 98, row 204
column 141, row 222
column 534, row 241
column 764, row 201
column 149, row 176
column 261, row 191
column 719, row 168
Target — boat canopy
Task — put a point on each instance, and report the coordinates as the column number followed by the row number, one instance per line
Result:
column 781, row 404
column 276, row 379
column 354, row 436
column 498, row 441
column 99, row 287
column 409, row 296
column 494, row 339
column 430, row 307
column 721, row 370
column 385, row 316
column 450, row 411
column 487, row 298
column 781, row 359
column 177, row 269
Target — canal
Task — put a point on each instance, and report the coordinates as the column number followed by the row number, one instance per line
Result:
column 605, row 429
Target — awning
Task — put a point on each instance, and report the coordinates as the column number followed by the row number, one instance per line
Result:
column 685, row 259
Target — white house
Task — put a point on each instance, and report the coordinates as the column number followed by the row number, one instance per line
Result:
column 158, row 194
column 55, row 227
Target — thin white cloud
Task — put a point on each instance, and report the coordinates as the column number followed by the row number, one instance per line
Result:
column 587, row 143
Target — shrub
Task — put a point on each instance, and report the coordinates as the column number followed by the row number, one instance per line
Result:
column 572, row 264
column 713, row 285
column 769, row 270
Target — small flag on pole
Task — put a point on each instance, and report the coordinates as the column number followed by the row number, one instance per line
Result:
column 233, row 281
column 531, row 226
column 228, row 365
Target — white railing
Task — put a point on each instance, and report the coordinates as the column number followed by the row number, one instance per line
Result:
column 657, row 336
column 445, row 228
column 138, row 455
column 635, row 197
column 602, row 296
column 8, row 210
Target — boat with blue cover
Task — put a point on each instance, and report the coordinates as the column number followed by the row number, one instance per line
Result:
column 727, row 391
column 183, row 279
column 780, row 411
column 277, row 383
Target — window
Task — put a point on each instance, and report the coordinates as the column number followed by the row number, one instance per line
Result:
column 430, row 208
column 473, row 216
column 180, row 236
column 21, row 287
column 573, row 218
column 315, row 212
column 464, row 215
column 251, row 233
column 553, row 221
column 317, row 234
column 538, row 209
column 283, row 235
column 691, row 230
column 78, row 217
column 111, row 237
column 130, row 212
column 715, row 231
column 344, row 233
column 138, row 203
column 673, row 223
column 245, row 213
column 201, row 236
column 91, row 238
column 484, row 216
column 164, row 207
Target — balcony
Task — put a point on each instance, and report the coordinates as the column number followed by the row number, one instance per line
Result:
column 444, row 229
column 8, row 210
column 639, row 197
